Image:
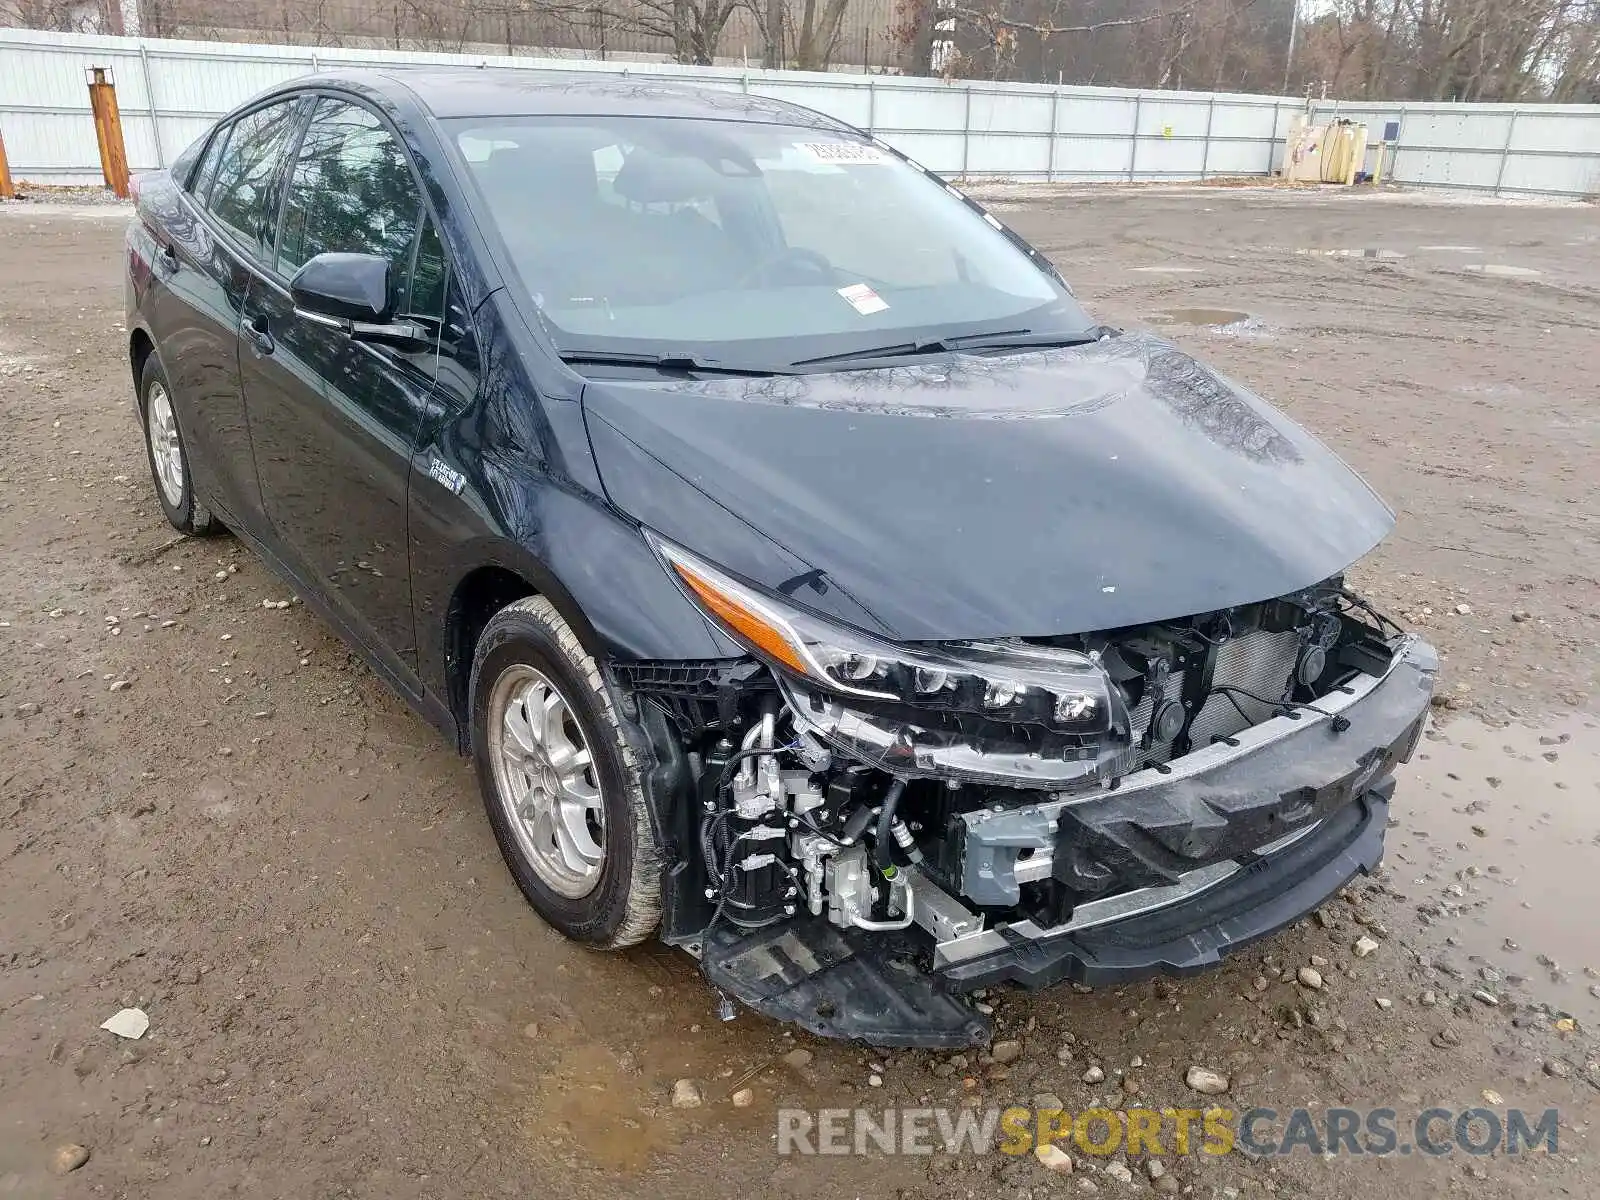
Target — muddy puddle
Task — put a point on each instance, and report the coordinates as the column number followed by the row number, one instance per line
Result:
column 598, row 1078
column 1497, row 850
column 1226, row 320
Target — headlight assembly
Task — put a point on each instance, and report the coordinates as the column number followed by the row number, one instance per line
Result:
column 1014, row 682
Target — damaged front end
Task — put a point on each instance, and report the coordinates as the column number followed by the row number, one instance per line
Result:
column 859, row 832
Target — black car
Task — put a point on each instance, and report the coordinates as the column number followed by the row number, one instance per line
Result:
column 815, row 584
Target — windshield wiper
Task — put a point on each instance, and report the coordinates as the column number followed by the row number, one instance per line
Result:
column 663, row 362
column 1002, row 339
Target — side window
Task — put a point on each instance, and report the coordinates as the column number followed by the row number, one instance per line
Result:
column 207, row 174
column 456, row 369
column 352, row 191
column 428, row 275
column 246, row 169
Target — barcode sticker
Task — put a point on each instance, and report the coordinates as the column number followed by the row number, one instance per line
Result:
column 844, row 154
column 863, row 299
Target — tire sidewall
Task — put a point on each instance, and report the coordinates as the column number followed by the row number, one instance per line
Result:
column 181, row 515
column 515, row 637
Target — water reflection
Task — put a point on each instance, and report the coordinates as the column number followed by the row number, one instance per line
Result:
column 1496, row 848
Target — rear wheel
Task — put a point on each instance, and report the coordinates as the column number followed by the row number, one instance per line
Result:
column 559, row 780
column 169, row 456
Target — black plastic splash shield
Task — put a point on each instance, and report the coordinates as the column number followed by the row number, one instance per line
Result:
column 837, row 984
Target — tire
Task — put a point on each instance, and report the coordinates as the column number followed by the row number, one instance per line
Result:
column 168, row 455
column 527, row 654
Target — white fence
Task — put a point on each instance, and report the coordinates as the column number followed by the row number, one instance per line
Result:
column 1529, row 149
column 170, row 91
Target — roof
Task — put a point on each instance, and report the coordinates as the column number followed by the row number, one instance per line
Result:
column 516, row 91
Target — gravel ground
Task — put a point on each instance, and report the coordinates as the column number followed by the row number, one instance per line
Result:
column 211, row 811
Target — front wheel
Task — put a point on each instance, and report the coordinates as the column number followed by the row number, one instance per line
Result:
column 169, row 456
column 559, row 780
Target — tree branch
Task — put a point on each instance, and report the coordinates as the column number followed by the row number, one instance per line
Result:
column 1046, row 29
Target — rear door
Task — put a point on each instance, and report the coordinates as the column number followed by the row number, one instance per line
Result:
column 203, row 269
column 333, row 419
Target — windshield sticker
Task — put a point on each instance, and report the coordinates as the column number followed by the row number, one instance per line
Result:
column 847, row 154
column 863, row 299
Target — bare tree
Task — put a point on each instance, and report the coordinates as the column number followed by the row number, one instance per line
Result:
column 808, row 28
column 62, row 15
column 1491, row 50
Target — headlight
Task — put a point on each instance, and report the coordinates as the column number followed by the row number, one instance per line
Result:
column 1010, row 681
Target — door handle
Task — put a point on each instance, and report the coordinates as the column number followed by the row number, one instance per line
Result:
column 168, row 257
column 259, row 331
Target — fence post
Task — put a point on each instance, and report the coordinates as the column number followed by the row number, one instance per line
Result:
column 8, row 190
column 1399, row 141
column 108, row 130
column 1272, row 142
column 1055, row 128
column 872, row 106
column 1505, row 152
column 150, row 104
column 1205, row 155
column 966, row 134
column 1133, row 140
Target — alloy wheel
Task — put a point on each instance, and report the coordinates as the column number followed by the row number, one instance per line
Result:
column 546, row 782
column 166, row 452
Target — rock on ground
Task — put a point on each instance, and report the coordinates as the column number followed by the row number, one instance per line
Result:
column 1206, row 1081
column 68, row 1158
column 1054, row 1158
column 1007, row 1051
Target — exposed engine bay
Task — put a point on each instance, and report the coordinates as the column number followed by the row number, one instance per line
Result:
column 965, row 796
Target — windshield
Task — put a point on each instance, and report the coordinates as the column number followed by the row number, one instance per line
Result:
column 744, row 243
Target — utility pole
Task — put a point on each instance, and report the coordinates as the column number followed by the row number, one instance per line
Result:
column 1294, row 31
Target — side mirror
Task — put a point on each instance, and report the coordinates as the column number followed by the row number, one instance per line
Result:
column 340, row 288
column 350, row 292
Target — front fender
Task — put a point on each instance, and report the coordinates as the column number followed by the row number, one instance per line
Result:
column 569, row 546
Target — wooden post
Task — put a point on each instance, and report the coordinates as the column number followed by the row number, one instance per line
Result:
column 7, row 190
column 108, row 130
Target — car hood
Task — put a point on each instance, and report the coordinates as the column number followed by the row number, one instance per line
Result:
column 1053, row 492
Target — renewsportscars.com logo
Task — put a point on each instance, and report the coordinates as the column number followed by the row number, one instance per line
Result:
column 1102, row 1132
